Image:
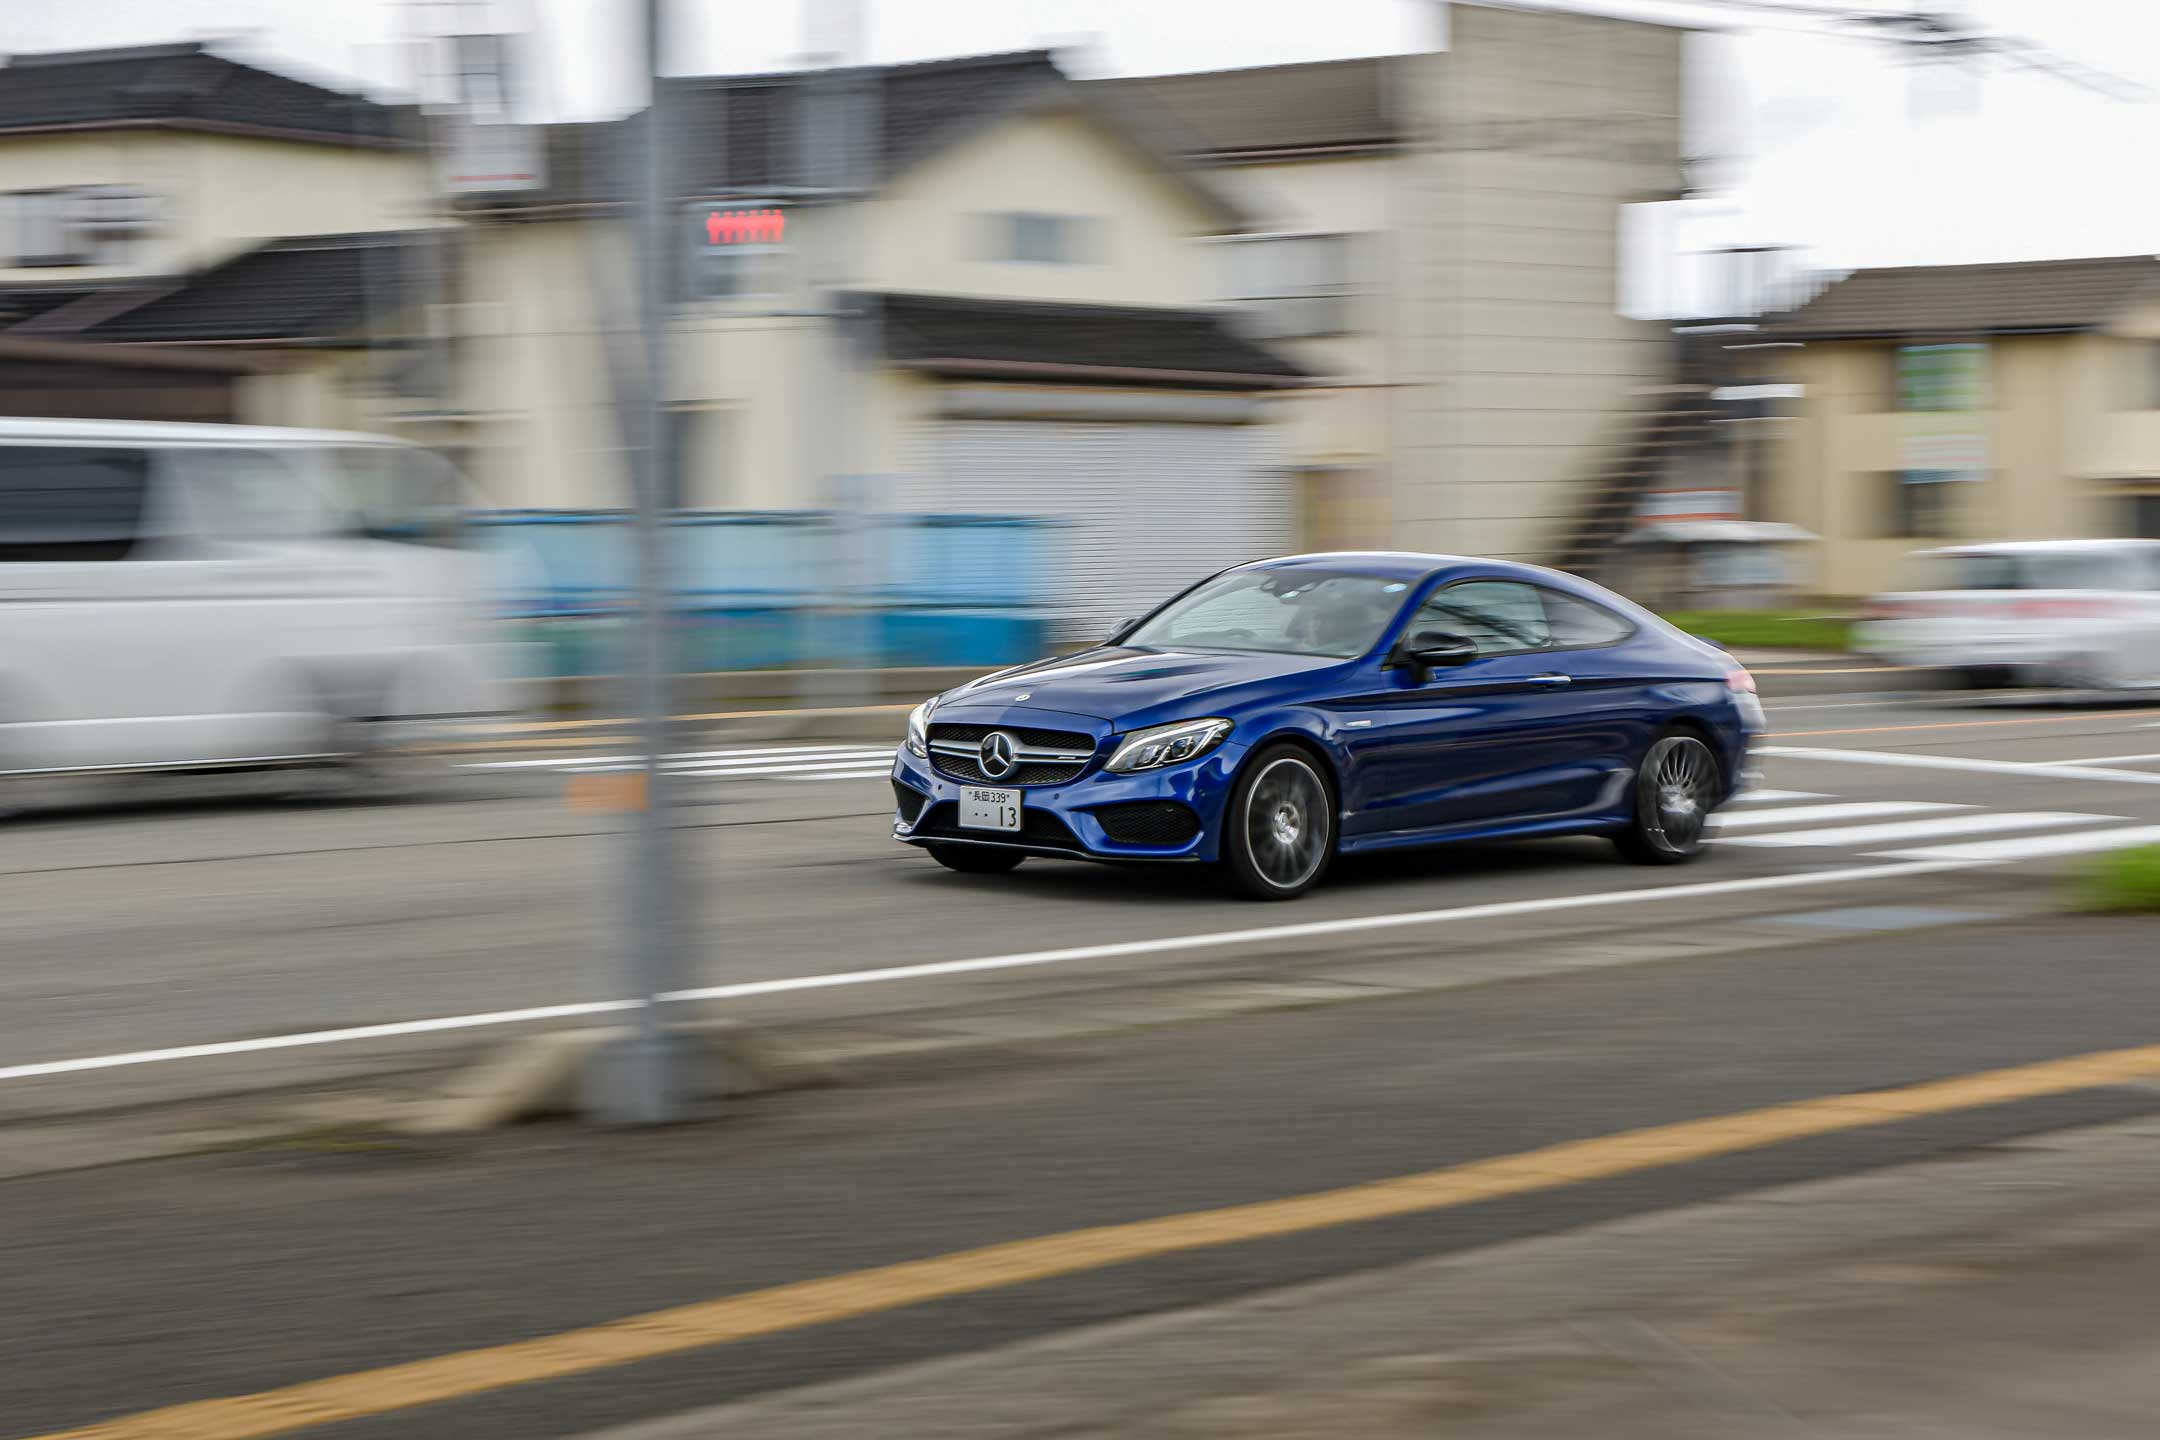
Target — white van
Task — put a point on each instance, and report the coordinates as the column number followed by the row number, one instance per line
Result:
column 214, row 596
column 2078, row 613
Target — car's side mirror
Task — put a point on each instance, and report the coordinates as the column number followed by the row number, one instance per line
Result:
column 1436, row 650
column 1117, row 631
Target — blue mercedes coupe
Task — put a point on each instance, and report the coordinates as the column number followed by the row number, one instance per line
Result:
column 1285, row 712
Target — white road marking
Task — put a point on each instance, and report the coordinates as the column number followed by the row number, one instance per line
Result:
column 1166, row 944
column 803, row 761
column 1760, row 797
column 1921, row 829
column 1808, row 814
column 883, row 764
column 1878, row 703
column 2036, row 769
column 1998, row 852
column 790, row 752
column 2107, row 760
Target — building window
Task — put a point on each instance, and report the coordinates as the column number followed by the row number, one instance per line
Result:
column 2141, row 375
column 82, row 225
column 1290, row 285
column 1942, row 377
column 1922, row 504
column 2141, row 517
column 1034, row 237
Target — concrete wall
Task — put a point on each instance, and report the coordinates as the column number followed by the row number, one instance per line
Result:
column 2062, row 448
column 1532, row 130
column 220, row 193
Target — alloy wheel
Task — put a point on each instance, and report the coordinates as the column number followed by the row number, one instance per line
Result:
column 1679, row 787
column 1287, row 823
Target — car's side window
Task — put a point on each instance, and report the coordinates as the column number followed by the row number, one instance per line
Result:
column 1500, row 617
column 1577, row 624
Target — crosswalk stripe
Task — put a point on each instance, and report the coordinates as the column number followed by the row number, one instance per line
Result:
column 860, row 766
column 1978, row 824
column 1808, row 814
column 791, row 752
column 1763, row 797
column 705, row 760
column 2036, row 847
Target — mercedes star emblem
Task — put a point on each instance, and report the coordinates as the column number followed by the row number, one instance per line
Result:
column 997, row 755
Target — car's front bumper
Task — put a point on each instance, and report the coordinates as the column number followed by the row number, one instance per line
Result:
column 1070, row 819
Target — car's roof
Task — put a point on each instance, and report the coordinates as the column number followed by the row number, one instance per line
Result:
column 157, row 432
column 1404, row 564
column 2043, row 547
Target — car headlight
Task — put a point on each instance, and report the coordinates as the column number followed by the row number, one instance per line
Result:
column 1161, row 745
column 918, row 730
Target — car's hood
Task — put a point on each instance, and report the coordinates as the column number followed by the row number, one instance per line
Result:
column 1113, row 682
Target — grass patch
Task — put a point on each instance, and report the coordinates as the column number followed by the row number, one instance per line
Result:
column 1766, row 629
column 2123, row 881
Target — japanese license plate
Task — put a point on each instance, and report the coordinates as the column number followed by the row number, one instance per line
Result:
column 982, row 809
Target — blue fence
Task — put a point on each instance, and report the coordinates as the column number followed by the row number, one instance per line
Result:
column 765, row 590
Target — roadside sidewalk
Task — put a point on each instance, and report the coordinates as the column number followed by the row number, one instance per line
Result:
column 2003, row 1292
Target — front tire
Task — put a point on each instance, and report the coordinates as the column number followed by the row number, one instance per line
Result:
column 1677, row 786
column 1279, row 827
column 976, row 859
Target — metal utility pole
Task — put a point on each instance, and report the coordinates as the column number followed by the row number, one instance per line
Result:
column 637, row 1080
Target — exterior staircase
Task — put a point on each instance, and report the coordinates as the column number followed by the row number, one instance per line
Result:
column 1678, row 424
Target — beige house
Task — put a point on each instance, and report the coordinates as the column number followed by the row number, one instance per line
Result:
column 1970, row 402
column 222, row 235
column 1008, row 310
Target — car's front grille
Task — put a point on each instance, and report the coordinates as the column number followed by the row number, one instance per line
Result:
column 1037, row 828
column 1045, row 757
column 1148, row 822
column 959, row 767
column 1026, row 735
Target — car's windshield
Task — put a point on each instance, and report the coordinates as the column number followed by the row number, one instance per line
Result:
column 1295, row 612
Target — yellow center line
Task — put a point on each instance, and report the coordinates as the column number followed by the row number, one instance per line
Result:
column 914, row 1282
column 1965, row 724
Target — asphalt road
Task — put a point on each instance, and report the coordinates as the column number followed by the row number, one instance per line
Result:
column 193, row 915
column 141, row 1286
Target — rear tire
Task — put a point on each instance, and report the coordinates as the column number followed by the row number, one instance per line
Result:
column 1678, row 784
column 1278, row 831
column 976, row 859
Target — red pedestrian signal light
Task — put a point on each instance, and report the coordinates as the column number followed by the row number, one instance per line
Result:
column 745, row 227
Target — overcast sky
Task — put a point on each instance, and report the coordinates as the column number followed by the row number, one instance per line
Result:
column 1836, row 144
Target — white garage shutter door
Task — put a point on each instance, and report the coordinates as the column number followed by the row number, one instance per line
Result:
column 1149, row 508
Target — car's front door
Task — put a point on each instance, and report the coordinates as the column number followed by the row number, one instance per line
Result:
column 1506, row 736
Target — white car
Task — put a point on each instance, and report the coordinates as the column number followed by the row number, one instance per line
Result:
column 2077, row 613
column 226, row 596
